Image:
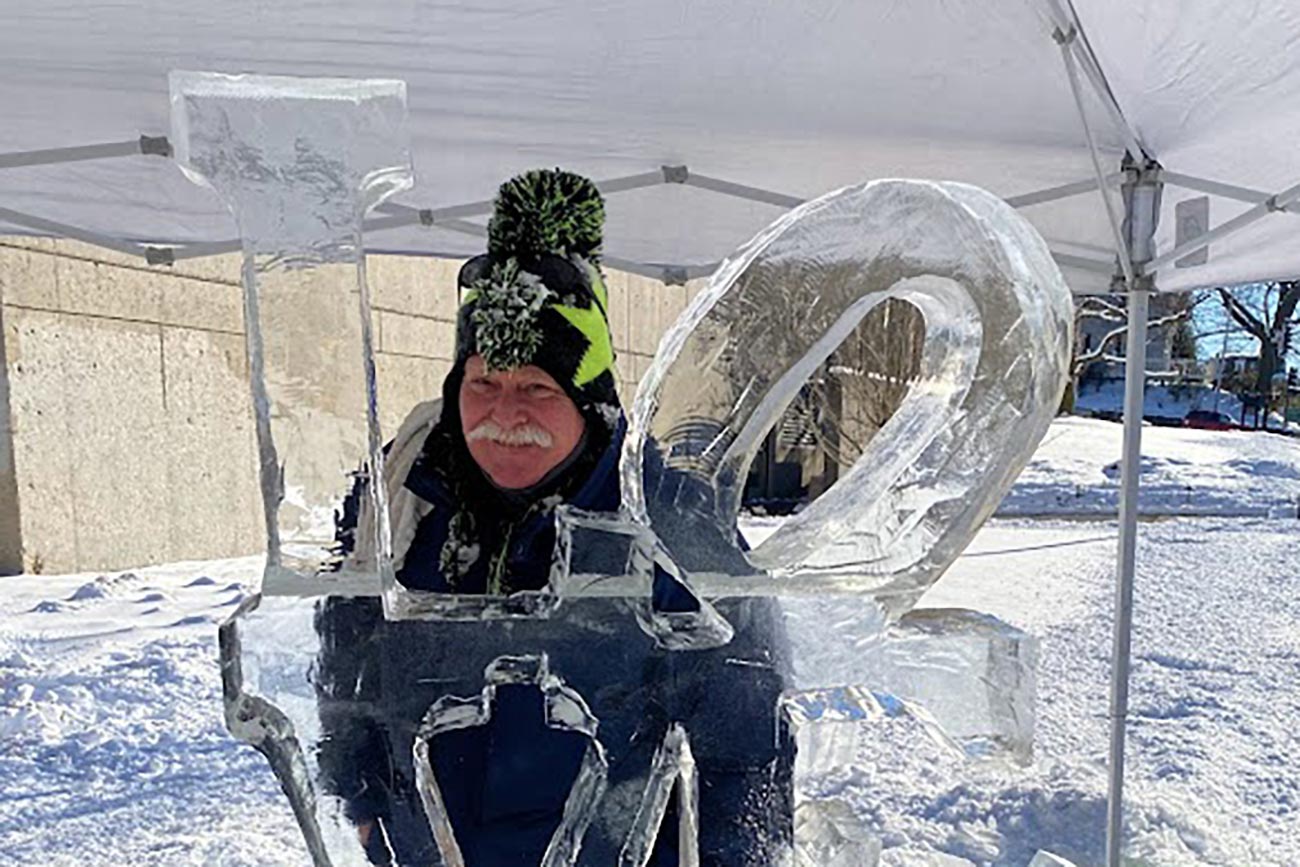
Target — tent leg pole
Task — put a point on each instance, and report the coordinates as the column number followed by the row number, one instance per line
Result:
column 1134, row 394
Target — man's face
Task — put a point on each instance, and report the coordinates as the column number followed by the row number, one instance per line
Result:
column 519, row 424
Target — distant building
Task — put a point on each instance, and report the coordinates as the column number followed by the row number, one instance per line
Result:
column 1228, row 367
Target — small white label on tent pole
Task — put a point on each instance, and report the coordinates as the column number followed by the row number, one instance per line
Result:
column 1191, row 221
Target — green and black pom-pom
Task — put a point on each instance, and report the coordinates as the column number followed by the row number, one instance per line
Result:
column 547, row 211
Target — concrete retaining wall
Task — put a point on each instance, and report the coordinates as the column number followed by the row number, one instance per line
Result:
column 125, row 430
column 11, row 548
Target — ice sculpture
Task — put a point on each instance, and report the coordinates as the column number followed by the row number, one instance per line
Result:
column 973, row 674
column 300, row 162
column 623, row 742
column 998, row 324
column 968, row 678
column 664, row 666
column 828, row 833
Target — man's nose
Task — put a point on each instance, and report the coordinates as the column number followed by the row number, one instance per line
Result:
column 509, row 409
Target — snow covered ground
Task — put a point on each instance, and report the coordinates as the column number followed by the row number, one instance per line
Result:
column 113, row 751
column 1214, row 745
column 112, row 746
column 1075, row 472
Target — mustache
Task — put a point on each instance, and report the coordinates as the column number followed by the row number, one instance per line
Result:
column 522, row 435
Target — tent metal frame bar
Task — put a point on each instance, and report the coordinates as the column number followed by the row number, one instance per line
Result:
column 404, row 216
column 740, row 191
column 1226, row 191
column 196, row 251
column 1126, row 561
column 1067, row 23
column 63, row 230
column 429, row 216
column 452, row 217
column 399, row 216
column 157, row 146
column 160, row 255
column 1082, row 263
column 1272, row 204
column 1064, row 191
column 1065, row 39
column 448, row 217
column 1134, row 242
column 634, row 182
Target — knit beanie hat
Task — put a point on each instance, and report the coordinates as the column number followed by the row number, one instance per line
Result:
column 538, row 297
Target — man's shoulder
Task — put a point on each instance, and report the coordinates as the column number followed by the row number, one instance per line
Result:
column 406, row 445
column 417, row 424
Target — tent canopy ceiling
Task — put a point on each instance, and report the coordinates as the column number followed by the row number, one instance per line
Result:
column 795, row 98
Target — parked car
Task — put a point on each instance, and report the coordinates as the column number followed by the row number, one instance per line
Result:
column 1209, row 419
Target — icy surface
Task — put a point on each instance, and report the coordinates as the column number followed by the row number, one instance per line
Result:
column 997, row 318
column 299, row 162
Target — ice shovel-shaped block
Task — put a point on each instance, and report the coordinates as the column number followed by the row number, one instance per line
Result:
column 299, row 162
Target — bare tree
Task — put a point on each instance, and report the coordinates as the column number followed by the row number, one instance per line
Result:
column 1269, row 315
column 1111, row 309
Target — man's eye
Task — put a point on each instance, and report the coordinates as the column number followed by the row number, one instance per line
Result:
column 541, row 391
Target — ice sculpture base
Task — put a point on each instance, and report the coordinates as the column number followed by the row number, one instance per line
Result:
column 973, row 674
column 968, row 677
column 828, row 833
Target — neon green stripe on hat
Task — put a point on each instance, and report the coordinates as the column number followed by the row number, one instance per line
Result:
column 599, row 356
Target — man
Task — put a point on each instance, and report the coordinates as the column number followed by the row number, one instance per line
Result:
column 529, row 418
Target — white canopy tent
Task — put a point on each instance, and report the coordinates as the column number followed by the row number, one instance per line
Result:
column 781, row 103
column 704, row 119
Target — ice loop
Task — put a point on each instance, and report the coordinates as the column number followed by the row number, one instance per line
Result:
column 997, row 320
column 664, row 696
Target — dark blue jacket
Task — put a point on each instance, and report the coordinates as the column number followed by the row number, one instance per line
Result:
column 531, row 543
column 377, row 678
